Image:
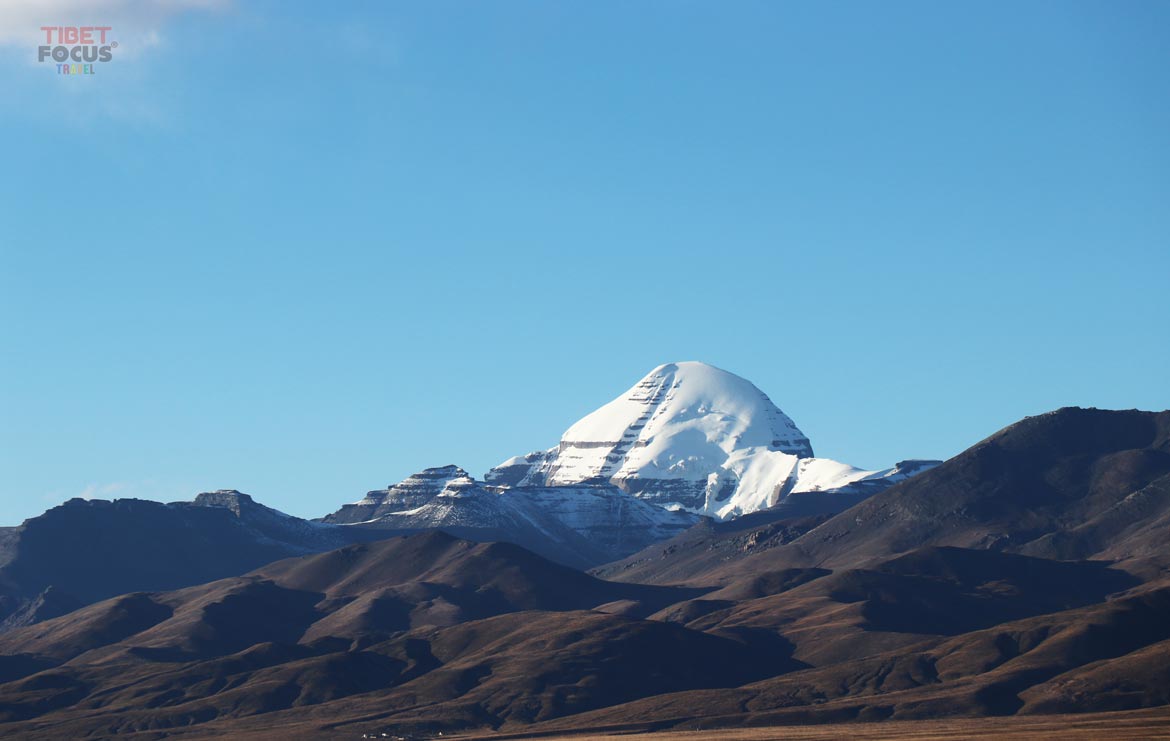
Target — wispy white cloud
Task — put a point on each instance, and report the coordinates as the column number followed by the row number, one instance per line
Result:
column 138, row 25
column 123, row 92
column 103, row 491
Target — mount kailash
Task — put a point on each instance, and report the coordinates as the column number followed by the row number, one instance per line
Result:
column 687, row 440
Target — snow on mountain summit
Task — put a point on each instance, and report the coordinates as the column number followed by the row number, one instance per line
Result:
column 681, row 409
column 687, row 439
column 690, row 436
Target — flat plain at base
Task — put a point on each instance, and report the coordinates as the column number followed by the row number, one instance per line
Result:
column 1119, row 726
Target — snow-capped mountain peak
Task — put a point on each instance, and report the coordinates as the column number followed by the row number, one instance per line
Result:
column 687, row 435
column 687, row 439
column 680, row 409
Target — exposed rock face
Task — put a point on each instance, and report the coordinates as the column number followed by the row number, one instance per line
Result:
column 521, row 469
column 410, row 493
column 691, row 436
column 47, row 605
column 605, row 516
column 578, row 525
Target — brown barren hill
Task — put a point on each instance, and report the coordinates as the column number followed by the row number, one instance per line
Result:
column 1025, row 577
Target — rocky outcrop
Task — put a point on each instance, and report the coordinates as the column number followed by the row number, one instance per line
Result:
column 411, row 493
column 576, row 525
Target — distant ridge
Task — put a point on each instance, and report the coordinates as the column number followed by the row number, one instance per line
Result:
column 87, row 550
column 1070, row 484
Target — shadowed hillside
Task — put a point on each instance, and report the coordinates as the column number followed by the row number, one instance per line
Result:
column 1025, row 576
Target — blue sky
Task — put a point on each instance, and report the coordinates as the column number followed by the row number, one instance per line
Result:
column 305, row 249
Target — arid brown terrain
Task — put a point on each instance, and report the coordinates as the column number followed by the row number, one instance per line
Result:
column 1018, row 590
